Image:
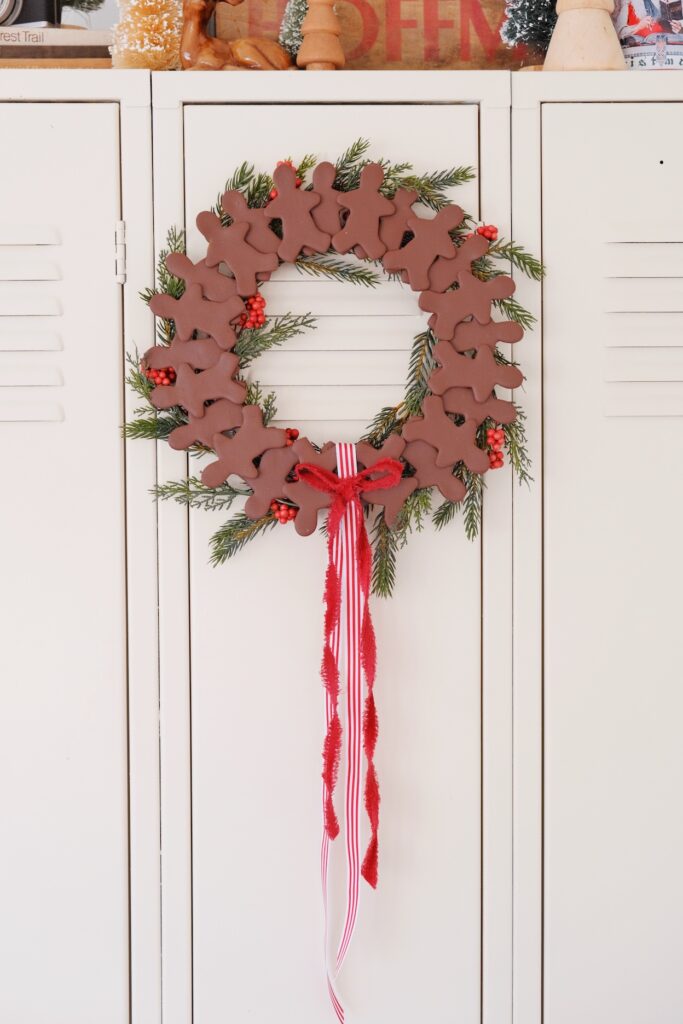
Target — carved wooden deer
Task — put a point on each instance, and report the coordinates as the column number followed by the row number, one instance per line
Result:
column 201, row 52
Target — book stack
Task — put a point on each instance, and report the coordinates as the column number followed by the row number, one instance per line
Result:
column 27, row 47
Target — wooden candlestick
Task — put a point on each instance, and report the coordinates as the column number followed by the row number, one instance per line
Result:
column 321, row 49
column 584, row 38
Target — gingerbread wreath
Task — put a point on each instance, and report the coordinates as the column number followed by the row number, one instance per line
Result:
column 457, row 430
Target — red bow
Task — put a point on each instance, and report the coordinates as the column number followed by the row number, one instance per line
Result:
column 346, row 491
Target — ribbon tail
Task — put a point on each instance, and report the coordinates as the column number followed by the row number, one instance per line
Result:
column 370, row 866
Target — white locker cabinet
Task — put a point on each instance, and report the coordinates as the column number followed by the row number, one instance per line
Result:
column 611, row 494
column 64, row 757
column 242, row 704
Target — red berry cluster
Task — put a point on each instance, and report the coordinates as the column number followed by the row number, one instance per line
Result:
column 161, row 378
column 489, row 231
column 283, row 513
column 299, row 181
column 255, row 315
column 292, row 434
column 495, row 439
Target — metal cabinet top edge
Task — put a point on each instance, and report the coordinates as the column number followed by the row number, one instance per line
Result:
column 487, row 88
column 530, row 90
column 129, row 88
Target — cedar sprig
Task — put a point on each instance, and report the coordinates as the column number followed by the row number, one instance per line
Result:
column 154, row 426
column 265, row 400
column 328, row 266
column 167, row 284
column 234, row 534
column 136, row 379
column 387, row 541
column 194, row 494
column 276, row 331
column 516, row 445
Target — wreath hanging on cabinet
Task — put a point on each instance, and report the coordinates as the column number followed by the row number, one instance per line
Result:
column 449, row 429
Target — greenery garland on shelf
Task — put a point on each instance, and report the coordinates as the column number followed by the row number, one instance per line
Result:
column 252, row 341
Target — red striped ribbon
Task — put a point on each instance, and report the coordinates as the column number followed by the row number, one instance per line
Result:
column 349, row 631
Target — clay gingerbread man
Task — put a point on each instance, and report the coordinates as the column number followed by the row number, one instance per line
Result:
column 236, row 454
column 192, row 312
column 294, row 206
column 481, row 373
column 431, row 238
column 453, row 443
column 366, row 206
column 191, row 390
column 229, row 245
column 472, row 298
column 215, row 286
column 259, row 234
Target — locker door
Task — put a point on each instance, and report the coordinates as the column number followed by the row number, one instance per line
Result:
column 63, row 767
column 613, row 408
column 255, row 653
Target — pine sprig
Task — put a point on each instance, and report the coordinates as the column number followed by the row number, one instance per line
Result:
column 334, row 269
column 277, row 330
column 517, row 255
column 445, row 513
column 233, row 535
column 472, row 503
column 513, row 310
column 419, row 370
column 384, row 554
column 194, row 494
column 431, row 188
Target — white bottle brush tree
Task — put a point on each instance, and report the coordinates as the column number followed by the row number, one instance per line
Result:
column 290, row 29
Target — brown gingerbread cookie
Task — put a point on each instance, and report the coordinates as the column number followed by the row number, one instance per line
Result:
column 273, row 470
column 392, row 498
column 422, row 457
column 480, row 372
column 259, row 234
column 472, row 298
column 229, row 246
column 327, row 214
column 462, row 402
column 192, row 390
column 394, row 226
column 472, row 335
column 431, row 238
column 193, row 312
column 219, row 416
column 453, row 443
column 366, row 206
column 215, row 286
column 309, row 499
column 200, row 354
column 445, row 270
column 294, row 207
column 236, row 454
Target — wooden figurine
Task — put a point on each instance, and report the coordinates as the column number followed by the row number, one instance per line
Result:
column 321, row 49
column 584, row 38
column 201, row 52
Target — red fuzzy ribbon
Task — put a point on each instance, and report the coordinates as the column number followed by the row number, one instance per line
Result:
column 347, row 491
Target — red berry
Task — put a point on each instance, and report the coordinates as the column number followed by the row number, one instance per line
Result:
column 273, row 193
column 291, row 513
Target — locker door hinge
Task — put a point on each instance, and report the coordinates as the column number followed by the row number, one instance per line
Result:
column 120, row 252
